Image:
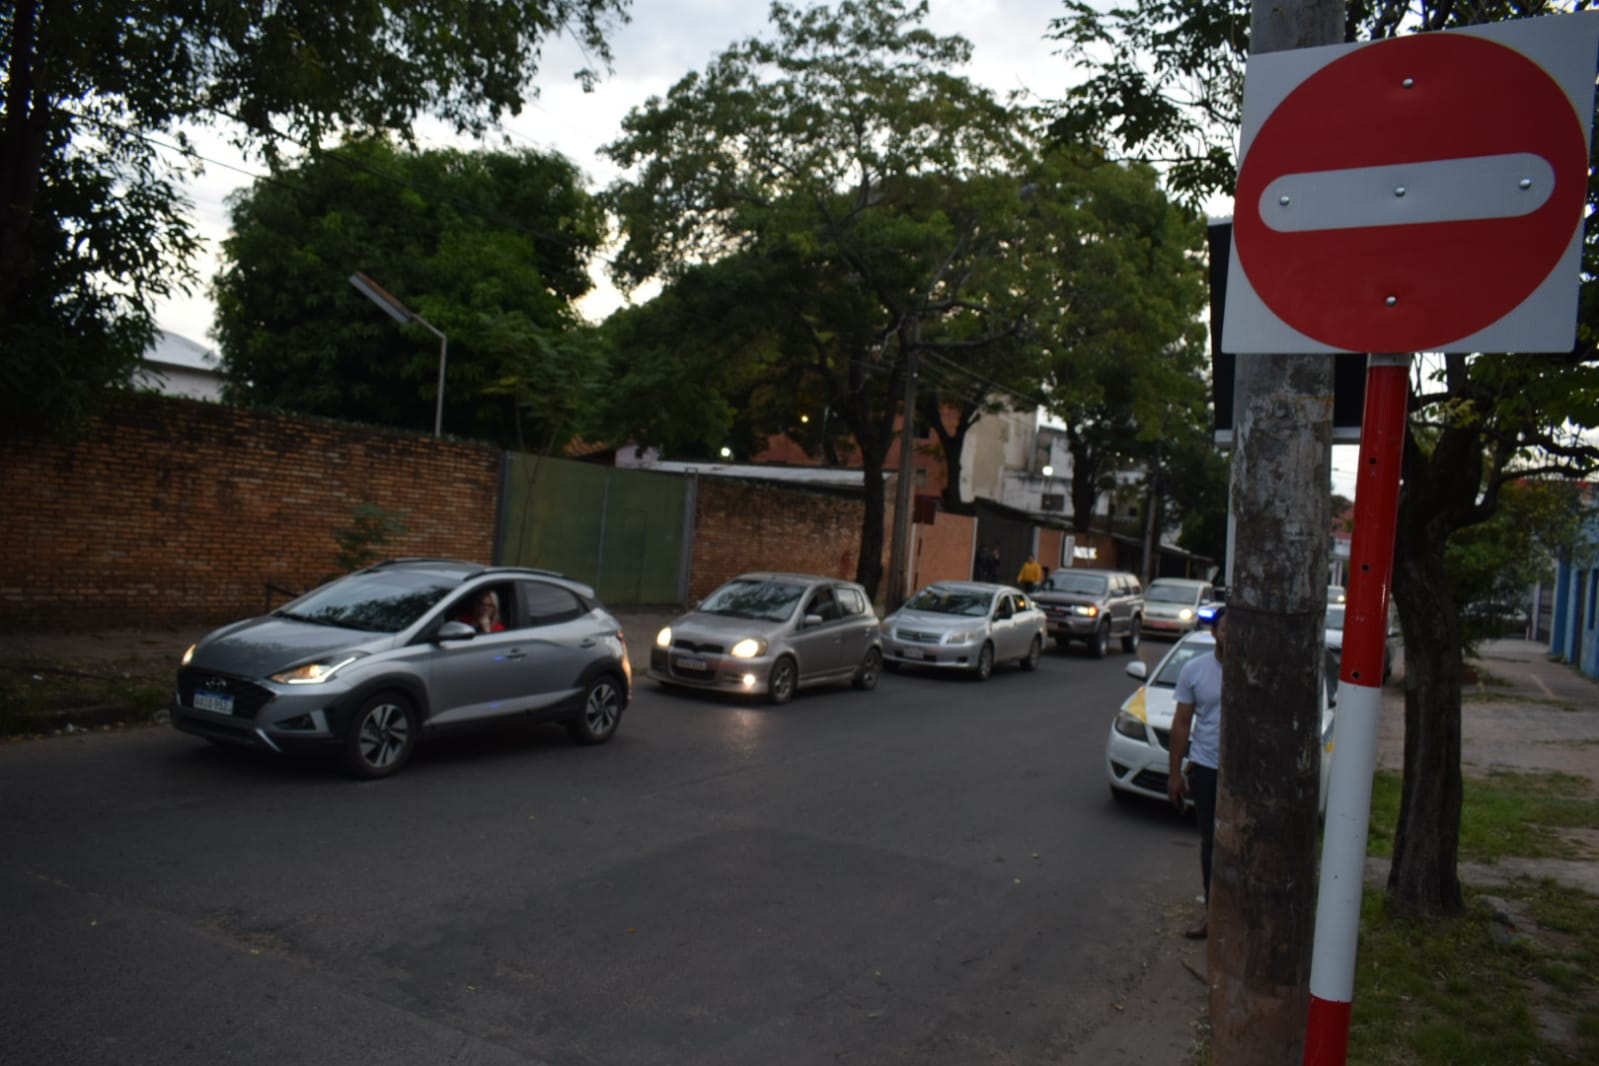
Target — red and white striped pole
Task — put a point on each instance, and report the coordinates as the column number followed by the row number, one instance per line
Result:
column 1343, row 849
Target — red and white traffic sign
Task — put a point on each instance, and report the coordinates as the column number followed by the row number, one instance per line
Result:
column 1423, row 193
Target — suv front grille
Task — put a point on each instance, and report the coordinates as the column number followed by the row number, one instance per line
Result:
column 697, row 647
column 248, row 697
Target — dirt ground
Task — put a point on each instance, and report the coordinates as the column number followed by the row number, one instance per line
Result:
column 1527, row 714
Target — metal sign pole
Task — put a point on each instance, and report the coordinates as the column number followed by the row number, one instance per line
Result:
column 1343, row 850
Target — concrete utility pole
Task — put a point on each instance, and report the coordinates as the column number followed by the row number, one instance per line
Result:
column 1262, row 902
column 900, row 545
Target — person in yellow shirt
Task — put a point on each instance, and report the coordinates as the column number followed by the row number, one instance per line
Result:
column 1029, row 575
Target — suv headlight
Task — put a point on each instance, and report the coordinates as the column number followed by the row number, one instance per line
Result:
column 748, row 648
column 1129, row 726
column 1185, row 614
column 1086, row 610
column 313, row 673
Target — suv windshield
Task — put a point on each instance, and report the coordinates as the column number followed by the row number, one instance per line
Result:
column 1082, row 584
column 384, row 601
column 1180, row 655
column 770, row 601
column 1158, row 593
column 937, row 599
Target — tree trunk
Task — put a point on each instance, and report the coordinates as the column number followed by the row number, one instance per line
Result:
column 1423, row 879
column 869, row 567
column 952, row 444
column 1263, row 881
column 22, row 147
column 1085, row 481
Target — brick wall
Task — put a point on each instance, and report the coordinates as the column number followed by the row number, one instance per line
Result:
column 741, row 526
column 945, row 549
column 168, row 510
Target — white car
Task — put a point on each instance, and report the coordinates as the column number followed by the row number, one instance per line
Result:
column 1172, row 604
column 1137, row 758
column 970, row 626
column 1334, row 635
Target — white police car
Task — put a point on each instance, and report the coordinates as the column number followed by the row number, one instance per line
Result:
column 1137, row 751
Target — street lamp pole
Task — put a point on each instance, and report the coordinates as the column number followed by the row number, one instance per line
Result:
column 396, row 310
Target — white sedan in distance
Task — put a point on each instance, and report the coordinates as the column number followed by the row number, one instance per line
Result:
column 970, row 626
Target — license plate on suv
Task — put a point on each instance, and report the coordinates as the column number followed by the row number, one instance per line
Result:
column 216, row 702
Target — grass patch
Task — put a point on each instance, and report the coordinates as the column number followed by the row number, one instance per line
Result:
column 1450, row 991
column 38, row 697
column 1503, row 814
column 1439, row 992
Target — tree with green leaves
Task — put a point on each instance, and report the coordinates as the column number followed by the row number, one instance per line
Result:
column 93, row 229
column 1478, row 423
column 1123, row 343
column 491, row 248
column 845, row 154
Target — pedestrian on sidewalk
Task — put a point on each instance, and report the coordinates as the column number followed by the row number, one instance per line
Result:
column 1028, row 577
column 1196, row 740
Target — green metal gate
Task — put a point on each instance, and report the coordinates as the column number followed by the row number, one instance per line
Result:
column 622, row 531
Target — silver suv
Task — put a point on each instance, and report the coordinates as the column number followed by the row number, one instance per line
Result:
column 1092, row 606
column 366, row 664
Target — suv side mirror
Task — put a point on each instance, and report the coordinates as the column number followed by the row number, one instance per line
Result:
column 453, row 630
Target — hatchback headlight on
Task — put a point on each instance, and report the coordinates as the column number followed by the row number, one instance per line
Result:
column 663, row 639
column 748, row 648
column 188, row 656
column 1129, row 726
column 313, row 673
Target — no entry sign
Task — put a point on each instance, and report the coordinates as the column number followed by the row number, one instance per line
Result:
column 1424, row 193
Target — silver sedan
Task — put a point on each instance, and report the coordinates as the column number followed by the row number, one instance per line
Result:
column 772, row 634
column 965, row 625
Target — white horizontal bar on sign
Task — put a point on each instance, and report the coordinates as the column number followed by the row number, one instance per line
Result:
column 1402, row 194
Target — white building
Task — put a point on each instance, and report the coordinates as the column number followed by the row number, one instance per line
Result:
column 176, row 366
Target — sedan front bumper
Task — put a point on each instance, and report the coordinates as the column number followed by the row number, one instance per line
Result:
column 707, row 670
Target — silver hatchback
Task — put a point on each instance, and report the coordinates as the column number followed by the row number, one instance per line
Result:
column 772, row 634
column 365, row 665
column 965, row 625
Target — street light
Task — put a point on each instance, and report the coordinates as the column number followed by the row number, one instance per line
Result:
column 401, row 313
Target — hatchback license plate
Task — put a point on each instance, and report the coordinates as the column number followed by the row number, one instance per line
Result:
column 689, row 662
column 217, row 702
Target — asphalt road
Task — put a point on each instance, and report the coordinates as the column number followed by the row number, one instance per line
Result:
column 930, row 873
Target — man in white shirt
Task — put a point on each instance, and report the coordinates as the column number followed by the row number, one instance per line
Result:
column 1196, row 737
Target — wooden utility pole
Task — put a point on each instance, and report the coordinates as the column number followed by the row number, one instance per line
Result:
column 900, row 545
column 1262, row 900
